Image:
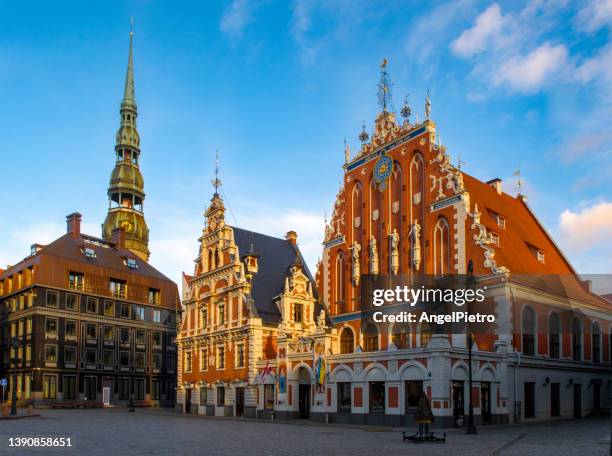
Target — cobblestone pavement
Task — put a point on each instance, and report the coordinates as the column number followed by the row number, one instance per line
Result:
column 162, row 432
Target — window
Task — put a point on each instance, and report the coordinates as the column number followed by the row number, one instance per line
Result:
column 298, row 312
column 221, row 307
column 140, row 336
column 170, row 363
column 204, row 317
column 528, row 331
column 118, row 288
column 49, row 386
column 220, row 396
column 90, row 356
column 596, row 343
column 89, row 252
column 501, row 222
column 91, row 331
column 377, row 397
column 154, row 296
column 156, row 316
column 220, row 357
column 124, row 358
column 370, row 338
column 29, row 325
column 344, row 397
column 28, row 353
column 125, row 335
column 157, row 361
column 576, row 339
column 52, row 298
column 495, row 239
column 413, row 394
column 401, row 335
column 269, row 396
column 69, row 355
column 124, row 389
column 125, row 310
column 139, row 360
column 541, row 257
column 426, row 331
column 140, row 313
column 347, row 341
column 51, row 353
column 156, row 390
column 108, row 358
column 131, row 263
column 21, row 328
column 203, row 359
column 92, row 305
column 71, row 301
column 109, row 308
column 188, row 361
column 203, row 396
column 157, row 341
column 108, row 333
column 554, row 330
column 240, row 355
column 76, row 281
column 51, row 328
column 69, row 387
column 70, row 328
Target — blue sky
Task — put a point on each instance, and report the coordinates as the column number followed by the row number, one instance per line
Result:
column 277, row 86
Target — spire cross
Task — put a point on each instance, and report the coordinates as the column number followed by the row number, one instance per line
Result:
column 216, row 181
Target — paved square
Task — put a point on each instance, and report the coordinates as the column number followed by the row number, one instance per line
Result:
column 162, row 432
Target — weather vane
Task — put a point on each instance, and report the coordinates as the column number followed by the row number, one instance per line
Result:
column 363, row 136
column 216, row 181
column 406, row 111
column 519, row 183
column 384, row 87
column 460, row 162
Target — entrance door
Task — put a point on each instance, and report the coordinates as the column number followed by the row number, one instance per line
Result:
column 555, row 400
column 529, row 400
column 596, row 396
column 89, row 388
column 188, row 401
column 239, row 401
column 304, row 401
column 458, row 409
column 577, row 401
column 485, row 402
column 413, row 390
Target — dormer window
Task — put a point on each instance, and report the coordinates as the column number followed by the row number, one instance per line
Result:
column 89, row 252
column 76, row 281
column 540, row 254
column 118, row 288
column 495, row 239
column 501, row 222
column 131, row 263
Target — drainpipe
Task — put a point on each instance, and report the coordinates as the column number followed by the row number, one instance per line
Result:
column 516, row 368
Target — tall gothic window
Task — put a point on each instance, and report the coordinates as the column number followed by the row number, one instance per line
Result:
column 396, row 206
column 211, row 260
column 357, row 208
column 347, row 341
column 576, row 339
column 596, row 343
column 370, row 338
column 554, row 331
column 340, row 299
column 441, row 247
column 528, row 331
column 376, row 216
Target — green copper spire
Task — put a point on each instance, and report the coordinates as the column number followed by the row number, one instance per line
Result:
column 129, row 99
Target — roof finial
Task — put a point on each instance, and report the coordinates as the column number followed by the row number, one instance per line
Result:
column 406, row 111
column 519, row 183
column 363, row 136
column 384, row 87
column 216, row 181
column 427, row 106
column 460, row 162
column 347, row 152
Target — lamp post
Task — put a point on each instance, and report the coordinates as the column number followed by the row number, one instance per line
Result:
column 15, row 346
column 471, row 428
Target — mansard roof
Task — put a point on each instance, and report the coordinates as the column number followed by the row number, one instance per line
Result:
column 276, row 256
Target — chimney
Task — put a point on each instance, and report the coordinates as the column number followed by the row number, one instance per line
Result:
column 73, row 222
column 118, row 238
column 291, row 236
column 496, row 184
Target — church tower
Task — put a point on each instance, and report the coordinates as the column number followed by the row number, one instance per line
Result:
column 126, row 187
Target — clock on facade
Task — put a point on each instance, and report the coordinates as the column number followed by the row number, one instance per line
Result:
column 382, row 171
column 126, row 226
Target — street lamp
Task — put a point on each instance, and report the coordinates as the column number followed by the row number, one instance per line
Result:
column 15, row 346
column 471, row 428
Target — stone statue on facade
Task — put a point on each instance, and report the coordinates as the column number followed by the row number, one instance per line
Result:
column 373, row 256
column 355, row 249
column 415, row 234
column 394, row 238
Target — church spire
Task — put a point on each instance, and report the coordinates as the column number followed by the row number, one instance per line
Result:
column 126, row 188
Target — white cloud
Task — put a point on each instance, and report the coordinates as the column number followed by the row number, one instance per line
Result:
column 598, row 66
column 596, row 14
column 476, row 39
column 588, row 228
column 528, row 73
column 236, row 17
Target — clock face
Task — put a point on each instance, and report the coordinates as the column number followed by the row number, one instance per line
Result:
column 382, row 170
column 126, row 226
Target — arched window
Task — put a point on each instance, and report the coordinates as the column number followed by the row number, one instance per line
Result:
column 211, row 261
column 340, row 301
column 576, row 339
column 441, row 247
column 554, row 331
column 347, row 341
column 377, row 215
column 219, row 258
column 528, row 331
column 425, row 333
column 370, row 338
column 596, row 343
column 401, row 335
column 357, row 208
column 396, row 206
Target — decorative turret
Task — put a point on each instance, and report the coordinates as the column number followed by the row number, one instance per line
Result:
column 126, row 188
